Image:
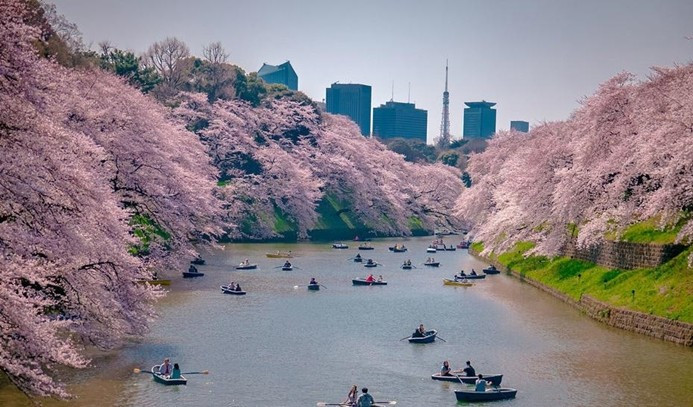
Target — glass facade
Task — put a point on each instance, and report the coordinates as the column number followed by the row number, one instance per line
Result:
column 353, row 100
column 520, row 126
column 395, row 119
column 479, row 120
column 283, row 74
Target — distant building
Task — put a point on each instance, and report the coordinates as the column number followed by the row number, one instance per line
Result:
column 283, row 74
column 395, row 119
column 519, row 125
column 479, row 120
column 353, row 100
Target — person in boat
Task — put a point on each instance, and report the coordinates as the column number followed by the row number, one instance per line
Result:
column 238, row 287
column 165, row 368
column 245, row 262
column 473, row 273
column 445, row 369
column 232, row 286
column 312, row 281
column 408, row 262
column 365, row 399
column 175, row 373
column 469, row 370
column 369, row 261
column 287, row 263
column 380, row 278
column 462, row 274
column 192, row 269
column 352, row 396
column 480, row 384
column 370, row 278
column 358, row 256
column 419, row 332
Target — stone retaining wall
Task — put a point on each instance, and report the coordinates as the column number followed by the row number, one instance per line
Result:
column 623, row 255
column 652, row 325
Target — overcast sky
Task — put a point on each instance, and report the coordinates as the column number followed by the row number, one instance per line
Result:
column 536, row 59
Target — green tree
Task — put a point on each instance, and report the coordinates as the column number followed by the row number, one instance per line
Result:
column 450, row 158
column 127, row 65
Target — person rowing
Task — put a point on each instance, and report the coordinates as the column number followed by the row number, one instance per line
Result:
column 287, row 264
column 420, row 332
column 312, row 281
column 473, row 273
column 445, row 369
column 370, row 278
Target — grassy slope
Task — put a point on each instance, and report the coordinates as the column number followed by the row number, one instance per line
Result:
column 665, row 290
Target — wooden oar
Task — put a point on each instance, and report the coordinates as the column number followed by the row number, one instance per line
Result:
column 441, row 338
column 322, row 286
column 377, row 403
column 406, row 337
column 138, row 370
column 202, row 372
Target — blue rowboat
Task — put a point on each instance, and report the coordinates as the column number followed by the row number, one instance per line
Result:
column 494, row 379
column 188, row 274
column 428, row 337
column 166, row 380
column 314, row 287
column 488, row 395
column 491, row 270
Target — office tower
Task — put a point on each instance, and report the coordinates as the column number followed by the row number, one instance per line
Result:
column 353, row 100
column 479, row 120
column 519, row 125
column 396, row 119
column 283, row 74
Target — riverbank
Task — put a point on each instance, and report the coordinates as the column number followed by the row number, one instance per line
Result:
column 653, row 301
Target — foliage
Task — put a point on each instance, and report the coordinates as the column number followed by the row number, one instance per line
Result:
column 449, row 158
column 625, row 156
column 82, row 154
column 663, row 290
column 127, row 65
column 651, row 231
column 413, row 150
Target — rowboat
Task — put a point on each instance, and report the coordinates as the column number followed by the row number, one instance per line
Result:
column 406, row 266
column 432, row 263
column 428, row 337
column 358, row 259
column 397, row 249
column 199, row 261
column 451, row 248
column 370, row 264
column 314, row 287
column 287, row 268
column 366, row 247
column 440, row 247
column 280, row 255
column 362, row 281
column 191, row 274
column 157, row 281
column 165, row 380
column 226, row 290
column 339, row 246
column 463, row 245
column 473, row 276
column 494, row 379
column 500, row 393
column 491, row 270
column 430, row 249
column 244, row 266
column 447, row 281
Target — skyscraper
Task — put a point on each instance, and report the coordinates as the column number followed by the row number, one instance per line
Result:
column 520, row 126
column 479, row 120
column 396, row 119
column 353, row 100
column 283, row 74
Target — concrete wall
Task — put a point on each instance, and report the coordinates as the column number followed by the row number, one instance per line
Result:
column 646, row 324
column 623, row 255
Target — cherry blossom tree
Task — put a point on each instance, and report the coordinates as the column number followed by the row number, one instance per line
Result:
column 83, row 157
column 625, row 156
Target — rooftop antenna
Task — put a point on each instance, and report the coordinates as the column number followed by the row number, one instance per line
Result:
column 409, row 94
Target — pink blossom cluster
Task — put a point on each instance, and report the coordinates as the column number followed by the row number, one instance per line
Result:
column 624, row 156
column 81, row 153
column 285, row 155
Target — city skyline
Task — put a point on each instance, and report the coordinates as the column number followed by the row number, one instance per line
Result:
column 536, row 59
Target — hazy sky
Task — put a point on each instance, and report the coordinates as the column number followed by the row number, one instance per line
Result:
column 536, row 59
